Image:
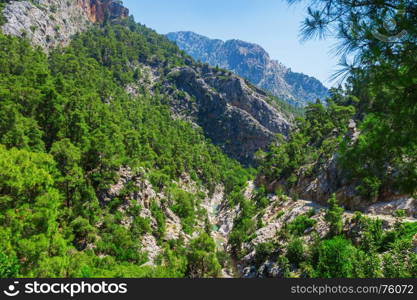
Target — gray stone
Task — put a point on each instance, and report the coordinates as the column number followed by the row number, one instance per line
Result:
column 231, row 113
column 52, row 23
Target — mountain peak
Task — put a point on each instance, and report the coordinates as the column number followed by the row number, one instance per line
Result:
column 252, row 62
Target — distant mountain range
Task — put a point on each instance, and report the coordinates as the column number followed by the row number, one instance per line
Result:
column 252, row 62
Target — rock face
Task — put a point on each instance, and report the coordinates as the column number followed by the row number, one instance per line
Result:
column 231, row 113
column 252, row 62
column 330, row 179
column 98, row 10
column 282, row 211
column 141, row 194
column 51, row 23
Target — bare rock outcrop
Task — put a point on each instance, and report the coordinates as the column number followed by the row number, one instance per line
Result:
column 233, row 114
column 98, row 10
column 52, row 23
column 281, row 212
column 149, row 244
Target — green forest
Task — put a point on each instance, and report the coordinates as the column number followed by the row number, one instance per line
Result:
column 67, row 126
column 380, row 94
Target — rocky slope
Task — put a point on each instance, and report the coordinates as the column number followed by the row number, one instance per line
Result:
column 233, row 114
column 51, row 23
column 281, row 212
column 329, row 178
column 215, row 209
column 252, row 62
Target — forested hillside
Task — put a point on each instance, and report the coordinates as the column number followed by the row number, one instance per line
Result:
column 67, row 126
column 378, row 154
column 360, row 151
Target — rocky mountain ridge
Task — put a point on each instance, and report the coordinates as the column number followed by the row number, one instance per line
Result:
column 231, row 113
column 234, row 114
column 252, row 62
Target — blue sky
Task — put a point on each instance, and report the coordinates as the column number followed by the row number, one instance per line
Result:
column 273, row 24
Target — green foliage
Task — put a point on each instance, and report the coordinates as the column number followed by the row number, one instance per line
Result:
column 399, row 262
column 140, row 226
column 333, row 216
column 401, row 232
column 407, row 230
column 2, row 6
column 296, row 251
column 372, row 234
column 335, row 259
column 378, row 156
column 202, row 258
column 84, row 232
column 224, row 259
column 382, row 78
column 283, row 105
column 9, row 267
column 67, row 126
column 367, row 265
column 315, row 139
column 159, row 216
column 300, row 224
column 244, row 226
column 30, row 206
column 284, row 265
column 261, row 198
column 184, row 206
column 365, row 251
column 263, row 251
column 119, row 242
column 117, row 46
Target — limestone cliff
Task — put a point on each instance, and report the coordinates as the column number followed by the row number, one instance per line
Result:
column 51, row 23
column 232, row 114
column 98, row 10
